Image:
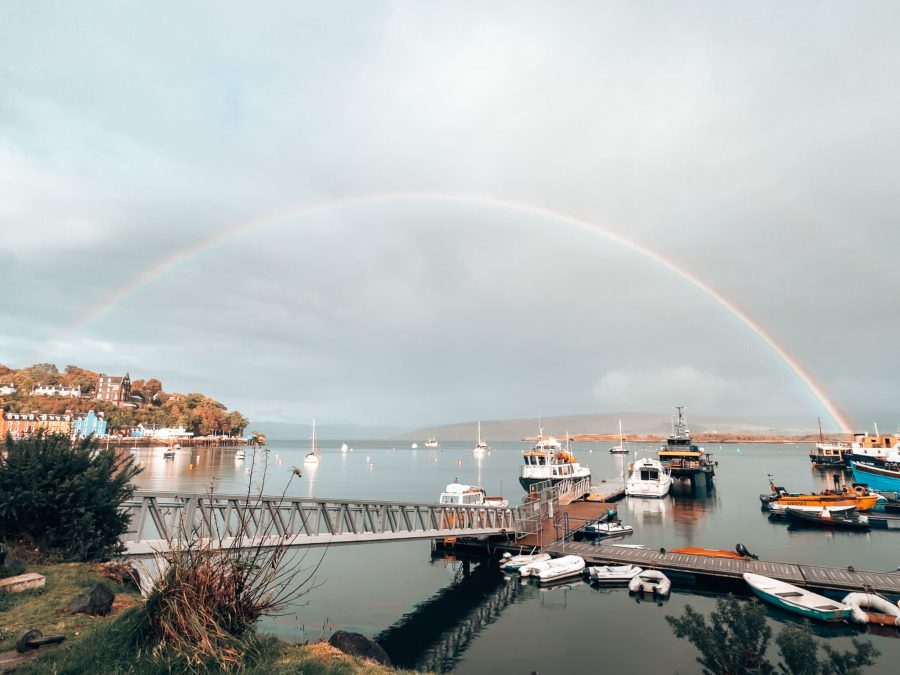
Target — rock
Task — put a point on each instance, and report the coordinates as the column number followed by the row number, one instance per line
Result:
column 359, row 645
column 96, row 602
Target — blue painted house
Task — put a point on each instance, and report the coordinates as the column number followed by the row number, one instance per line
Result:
column 89, row 423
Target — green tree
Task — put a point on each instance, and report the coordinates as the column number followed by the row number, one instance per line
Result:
column 736, row 640
column 64, row 496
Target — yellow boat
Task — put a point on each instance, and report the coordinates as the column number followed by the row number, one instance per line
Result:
column 859, row 498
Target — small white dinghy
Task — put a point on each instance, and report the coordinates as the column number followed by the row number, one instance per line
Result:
column 880, row 610
column 513, row 563
column 611, row 574
column 796, row 599
column 608, row 529
column 556, row 568
column 650, row 581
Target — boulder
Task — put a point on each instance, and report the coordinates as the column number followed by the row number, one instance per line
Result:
column 359, row 645
column 96, row 602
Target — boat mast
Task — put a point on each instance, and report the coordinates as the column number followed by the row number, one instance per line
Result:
column 821, row 435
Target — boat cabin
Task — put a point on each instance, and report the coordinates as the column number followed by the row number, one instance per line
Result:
column 556, row 465
column 465, row 495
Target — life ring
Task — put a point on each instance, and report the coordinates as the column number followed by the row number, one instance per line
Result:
column 860, row 490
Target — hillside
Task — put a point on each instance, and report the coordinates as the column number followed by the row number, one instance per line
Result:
column 149, row 403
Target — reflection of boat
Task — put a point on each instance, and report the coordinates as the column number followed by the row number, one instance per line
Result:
column 648, row 479
column 859, row 498
column 480, row 446
column 513, row 563
column 612, row 574
column 470, row 495
column 844, row 520
column 650, row 581
column 620, row 448
column 312, row 457
column 740, row 552
column 556, row 568
column 797, row 600
column 548, row 461
column 432, row 442
column 608, row 528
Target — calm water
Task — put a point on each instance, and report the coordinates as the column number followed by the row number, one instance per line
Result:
column 466, row 618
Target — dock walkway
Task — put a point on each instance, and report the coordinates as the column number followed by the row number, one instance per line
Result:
column 827, row 578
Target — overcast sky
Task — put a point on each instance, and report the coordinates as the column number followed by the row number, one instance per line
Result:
column 754, row 144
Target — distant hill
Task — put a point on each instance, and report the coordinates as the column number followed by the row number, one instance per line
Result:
column 608, row 423
column 289, row 431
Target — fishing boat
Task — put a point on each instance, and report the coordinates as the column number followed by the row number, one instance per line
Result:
column 882, row 477
column 859, row 498
column 872, row 608
column 828, row 453
column 480, row 446
column 613, row 574
column 513, row 563
column 432, row 442
column 843, row 520
column 470, row 495
column 872, row 449
column 650, row 581
column 312, row 457
column 797, row 600
column 681, row 456
column 620, row 449
column 740, row 552
column 554, row 569
column 648, row 479
column 608, row 528
column 547, row 461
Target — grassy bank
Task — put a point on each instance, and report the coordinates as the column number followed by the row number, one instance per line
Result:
column 118, row 643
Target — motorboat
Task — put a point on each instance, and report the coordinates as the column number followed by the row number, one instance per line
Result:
column 414, row 446
column 613, row 574
column 547, row 461
column 312, row 457
column 872, row 608
column 344, row 447
column 470, row 495
column 859, row 498
column 797, row 600
column 740, row 552
column 608, row 528
column 843, row 520
column 648, row 478
column 481, row 446
column 680, row 455
column 513, row 563
column 650, row 581
column 619, row 449
column 875, row 449
column 432, row 442
column 554, row 569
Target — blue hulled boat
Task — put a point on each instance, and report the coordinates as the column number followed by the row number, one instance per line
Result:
column 881, row 476
column 797, row 600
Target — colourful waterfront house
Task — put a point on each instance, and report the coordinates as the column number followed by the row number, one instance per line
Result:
column 89, row 423
column 20, row 425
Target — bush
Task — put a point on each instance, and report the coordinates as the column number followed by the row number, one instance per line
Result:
column 63, row 496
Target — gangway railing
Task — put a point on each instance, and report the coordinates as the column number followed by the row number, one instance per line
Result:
column 161, row 521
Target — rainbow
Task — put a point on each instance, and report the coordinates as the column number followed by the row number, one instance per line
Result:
column 144, row 277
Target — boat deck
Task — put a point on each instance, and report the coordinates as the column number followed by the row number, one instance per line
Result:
column 827, row 578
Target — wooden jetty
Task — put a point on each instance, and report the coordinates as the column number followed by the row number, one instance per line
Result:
column 812, row 576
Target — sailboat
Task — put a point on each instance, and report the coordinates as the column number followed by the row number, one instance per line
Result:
column 620, row 449
column 312, row 457
column 480, row 446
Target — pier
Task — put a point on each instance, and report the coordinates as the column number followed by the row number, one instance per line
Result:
column 844, row 579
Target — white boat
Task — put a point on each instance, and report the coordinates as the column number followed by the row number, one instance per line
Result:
column 650, row 581
column 240, row 454
column 608, row 528
column 480, row 446
column 553, row 569
column 610, row 574
column 648, row 478
column 169, row 454
column 470, row 495
column 414, row 446
column 513, row 563
column 797, row 600
column 432, row 442
column 344, row 447
column 312, row 457
column 860, row 602
column 620, row 449
column 547, row 461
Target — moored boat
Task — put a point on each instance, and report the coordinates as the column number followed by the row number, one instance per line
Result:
column 470, row 495
column 883, row 477
column 513, row 563
column 843, row 520
column 797, row 600
column 828, row 453
column 681, row 456
column 432, row 442
column 613, row 574
column 648, row 478
column 740, row 552
column 859, row 498
column 619, row 449
column 872, row 608
column 608, row 528
column 312, row 457
column 547, row 461
column 650, row 581
column 554, row 569
column 481, row 446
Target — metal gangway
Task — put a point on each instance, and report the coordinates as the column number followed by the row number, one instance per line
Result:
column 163, row 521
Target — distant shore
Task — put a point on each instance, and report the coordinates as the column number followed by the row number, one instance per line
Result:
column 200, row 441
column 697, row 438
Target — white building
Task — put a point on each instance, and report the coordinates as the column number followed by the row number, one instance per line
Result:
column 7, row 389
column 55, row 390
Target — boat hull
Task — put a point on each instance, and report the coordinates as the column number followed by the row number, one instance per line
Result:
column 834, row 521
column 879, row 478
column 784, row 596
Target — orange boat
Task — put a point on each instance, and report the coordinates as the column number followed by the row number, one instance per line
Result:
column 713, row 553
column 859, row 498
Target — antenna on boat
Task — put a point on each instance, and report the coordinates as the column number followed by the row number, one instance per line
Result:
column 876, row 429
